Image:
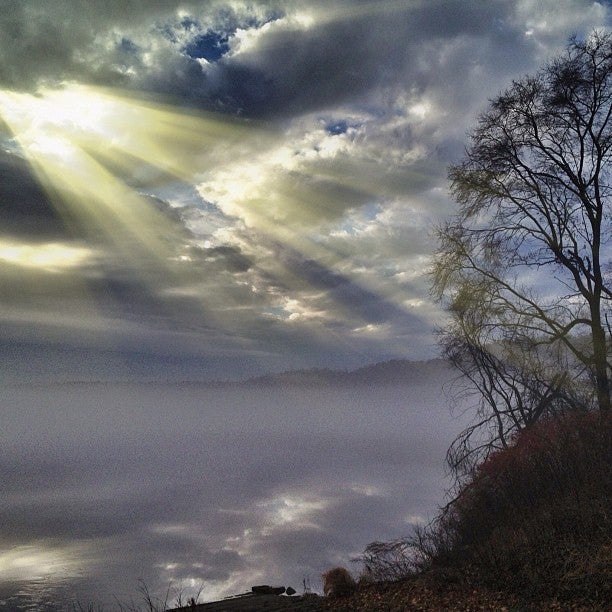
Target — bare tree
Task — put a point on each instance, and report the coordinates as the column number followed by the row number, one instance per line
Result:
column 524, row 267
column 512, row 380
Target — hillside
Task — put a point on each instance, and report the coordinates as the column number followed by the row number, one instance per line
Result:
column 529, row 530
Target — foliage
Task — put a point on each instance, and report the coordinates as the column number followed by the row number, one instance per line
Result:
column 524, row 271
column 385, row 561
column 530, row 525
column 173, row 598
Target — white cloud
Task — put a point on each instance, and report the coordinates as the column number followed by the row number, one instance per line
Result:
column 548, row 21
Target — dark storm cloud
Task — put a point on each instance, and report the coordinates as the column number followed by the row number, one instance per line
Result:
column 351, row 48
column 355, row 49
column 343, row 59
column 65, row 40
column 25, row 210
column 52, row 41
column 225, row 257
column 132, row 297
column 352, row 51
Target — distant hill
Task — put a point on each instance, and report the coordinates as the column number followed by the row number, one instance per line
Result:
column 395, row 371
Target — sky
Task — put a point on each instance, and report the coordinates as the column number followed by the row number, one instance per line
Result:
column 195, row 190
column 207, row 189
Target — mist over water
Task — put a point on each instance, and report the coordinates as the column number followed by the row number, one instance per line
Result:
column 105, row 484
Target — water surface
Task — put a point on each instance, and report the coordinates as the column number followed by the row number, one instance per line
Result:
column 106, row 484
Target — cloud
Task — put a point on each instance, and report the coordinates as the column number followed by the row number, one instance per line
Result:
column 267, row 175
column 332, row 54
column 310, row 229
column 111, row 44
column 26, row 212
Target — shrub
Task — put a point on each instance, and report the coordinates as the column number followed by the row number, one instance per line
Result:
column 338, row 582
column 387, row 561
column 534, row 518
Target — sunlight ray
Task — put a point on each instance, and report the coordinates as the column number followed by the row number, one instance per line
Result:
column 50, row 257
column 89, row 145
column 82, row 190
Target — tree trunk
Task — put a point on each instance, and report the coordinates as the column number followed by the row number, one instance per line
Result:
column 602, row 380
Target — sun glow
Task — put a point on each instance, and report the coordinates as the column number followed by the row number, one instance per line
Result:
column 50, row 257
column 88, row 145
column 99, row 152
column 73, row 109
column 34, row 562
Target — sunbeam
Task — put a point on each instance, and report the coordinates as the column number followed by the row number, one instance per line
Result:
column 85, row 146
column 100, row 152
column 50, row 257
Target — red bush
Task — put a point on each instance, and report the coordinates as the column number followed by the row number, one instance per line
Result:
column 535, row 517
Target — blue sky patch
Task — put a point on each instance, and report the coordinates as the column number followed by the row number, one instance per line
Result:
column 210, row 46
column 337, row 127
column 127, row 46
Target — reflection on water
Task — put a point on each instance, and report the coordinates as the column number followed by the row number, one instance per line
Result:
column 49, row 594
column 40, row 561
column 103, row 485
column 41, row 576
